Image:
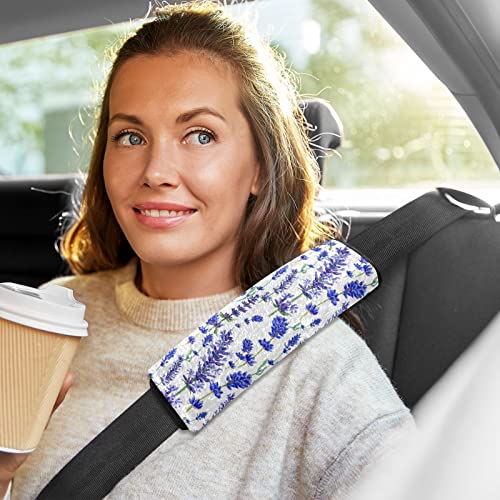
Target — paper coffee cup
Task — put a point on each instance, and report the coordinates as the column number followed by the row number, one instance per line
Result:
column 40, row 330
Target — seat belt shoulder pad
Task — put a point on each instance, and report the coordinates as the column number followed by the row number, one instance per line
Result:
column 224, row 356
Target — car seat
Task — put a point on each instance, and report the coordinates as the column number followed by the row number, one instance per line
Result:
column 434, row 302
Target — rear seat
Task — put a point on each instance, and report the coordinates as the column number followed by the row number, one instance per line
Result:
column 30, row 208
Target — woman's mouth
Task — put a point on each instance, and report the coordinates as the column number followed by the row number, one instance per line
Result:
column 162, row 219
column 165, row 213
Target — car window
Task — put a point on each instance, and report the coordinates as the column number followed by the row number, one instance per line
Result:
column 402, row 126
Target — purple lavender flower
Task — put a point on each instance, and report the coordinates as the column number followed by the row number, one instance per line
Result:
column 279, row 327
column 195, row 402
column 191, row 339
column 285, row 305
column 214, row 321
column 313, row 309
column 287, row 282
column 333, row 296
column 305, row 287
column 216, row 389
column 253, row 299
column 172, row 372
column 292, row 342
column 266, row 344
column 207, row 340
column 343, row 252
column 247, row 345
column 257, row 318
column 238, row 380
column 317, row 284
column 280, row 271
column 230, row 398
column 170, row 395
column 355, row 289
column 364, row 266
column 192, row 383
column 323, row 255
column 170, row 354
column 211, row 364
column 243, row 307
column 316, row 322
column 267, row 297
column 171, row 388
column 250, row 359
column 201, row 415
column 203, row 329
column 174, row 401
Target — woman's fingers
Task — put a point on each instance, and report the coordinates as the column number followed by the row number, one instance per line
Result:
column 68, row 381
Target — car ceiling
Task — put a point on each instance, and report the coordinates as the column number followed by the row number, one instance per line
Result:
column 458, row 39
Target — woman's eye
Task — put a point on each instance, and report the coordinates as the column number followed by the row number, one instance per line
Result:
column 199, row 138
column 128, row 139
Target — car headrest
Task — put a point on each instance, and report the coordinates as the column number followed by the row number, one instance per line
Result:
column 324, row 129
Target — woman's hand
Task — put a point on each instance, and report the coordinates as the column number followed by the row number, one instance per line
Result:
column 10, row 462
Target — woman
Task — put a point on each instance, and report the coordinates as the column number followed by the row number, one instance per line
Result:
column 201, row 183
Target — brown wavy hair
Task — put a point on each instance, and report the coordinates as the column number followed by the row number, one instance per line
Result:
column 279, row 223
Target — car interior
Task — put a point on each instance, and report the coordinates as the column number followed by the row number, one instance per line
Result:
column 432, row 303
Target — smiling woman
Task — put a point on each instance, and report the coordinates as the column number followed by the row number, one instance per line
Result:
column 201, row 183
column 177, row 140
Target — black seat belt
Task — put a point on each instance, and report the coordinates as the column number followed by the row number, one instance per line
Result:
column 149, row 421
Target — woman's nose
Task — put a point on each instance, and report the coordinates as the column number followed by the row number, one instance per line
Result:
column 162, row 166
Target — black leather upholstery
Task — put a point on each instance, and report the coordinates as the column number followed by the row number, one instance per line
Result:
column 30, row 210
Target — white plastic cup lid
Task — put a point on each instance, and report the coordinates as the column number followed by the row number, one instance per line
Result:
column 52, row 308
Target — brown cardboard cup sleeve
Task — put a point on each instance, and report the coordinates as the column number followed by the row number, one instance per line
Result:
column 40, row 330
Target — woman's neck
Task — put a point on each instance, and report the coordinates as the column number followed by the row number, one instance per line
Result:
column 183, row 282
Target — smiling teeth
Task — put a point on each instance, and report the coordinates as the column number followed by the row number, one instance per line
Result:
column 164, row 213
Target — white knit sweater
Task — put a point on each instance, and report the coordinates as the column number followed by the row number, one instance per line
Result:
column 321, row 416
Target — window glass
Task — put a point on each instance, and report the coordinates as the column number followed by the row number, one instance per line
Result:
column 402, row 126
column 48, row 91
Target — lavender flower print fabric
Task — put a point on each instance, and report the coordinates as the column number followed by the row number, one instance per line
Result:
column 237, row 345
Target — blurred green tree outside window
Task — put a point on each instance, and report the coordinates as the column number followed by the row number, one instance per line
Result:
column 402, row 126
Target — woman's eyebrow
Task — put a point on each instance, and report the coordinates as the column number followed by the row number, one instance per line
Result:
column 188, row 115
column 128, row 118
column 182, row 118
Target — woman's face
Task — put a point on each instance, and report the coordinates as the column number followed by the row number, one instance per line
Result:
column 180, row 161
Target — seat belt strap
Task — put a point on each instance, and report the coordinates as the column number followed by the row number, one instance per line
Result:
column 405, row 229
column 117, row 450
column 138, row 431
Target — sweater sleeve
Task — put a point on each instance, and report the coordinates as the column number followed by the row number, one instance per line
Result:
column 359, row 419
column 378, row 439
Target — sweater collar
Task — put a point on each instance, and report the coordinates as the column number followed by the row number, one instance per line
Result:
column 169, row 314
